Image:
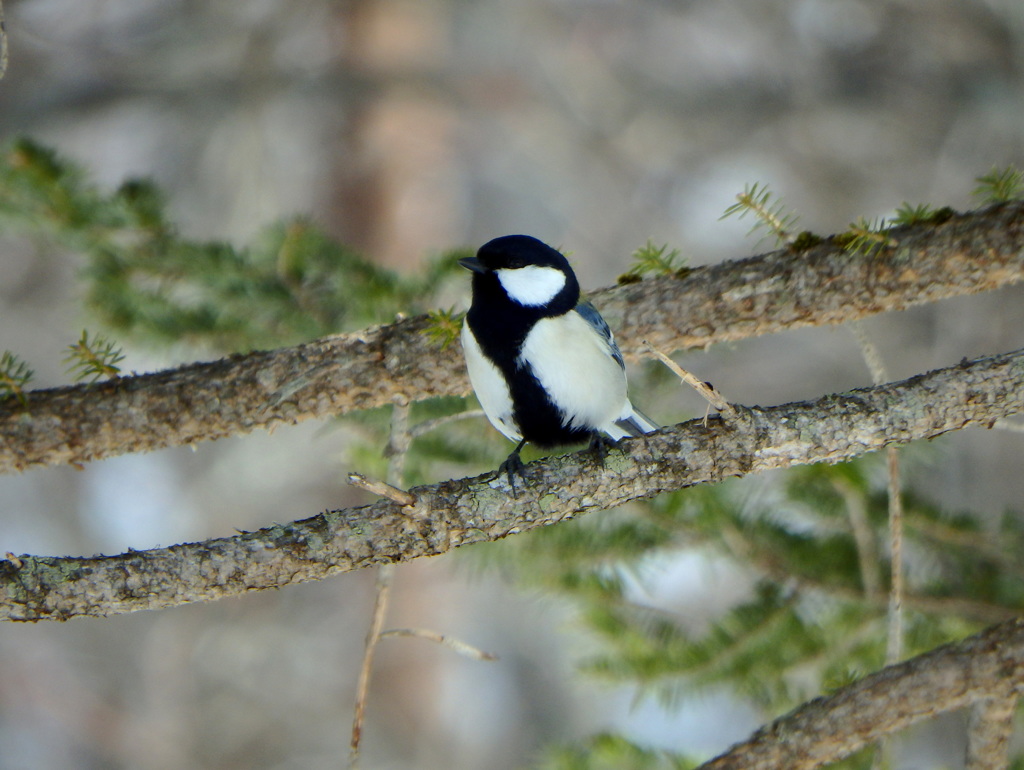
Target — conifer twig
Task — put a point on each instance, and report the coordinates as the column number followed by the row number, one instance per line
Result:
column 757, row 200
column 654, row 260
column 14, row 376
column 978, row 611
column 868, row 236
column 999, row 184
column 93, row 359
column 350, row 372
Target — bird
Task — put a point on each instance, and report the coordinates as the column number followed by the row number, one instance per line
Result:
column 542, row 362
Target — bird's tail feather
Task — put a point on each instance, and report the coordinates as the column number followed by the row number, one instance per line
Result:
column 636, row 424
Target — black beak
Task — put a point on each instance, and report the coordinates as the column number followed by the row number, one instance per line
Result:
column 474, row 264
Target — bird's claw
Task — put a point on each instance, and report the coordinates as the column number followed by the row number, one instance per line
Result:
column 512, row 466
column 600, row 445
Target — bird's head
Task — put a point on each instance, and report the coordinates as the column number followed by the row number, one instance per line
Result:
column 528, row 271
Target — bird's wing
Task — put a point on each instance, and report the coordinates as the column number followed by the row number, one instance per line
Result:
column 592, row 317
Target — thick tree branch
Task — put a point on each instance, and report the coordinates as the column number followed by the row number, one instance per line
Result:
column 824, row 730
column 459, row 512
column 782, row 290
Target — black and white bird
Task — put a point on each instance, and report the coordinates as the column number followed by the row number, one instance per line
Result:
column 544, row 365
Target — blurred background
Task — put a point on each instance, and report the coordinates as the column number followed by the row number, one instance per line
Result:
column 408, row 127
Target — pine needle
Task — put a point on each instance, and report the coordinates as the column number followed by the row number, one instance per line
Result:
column 445, row 326
column 656, row 260
column 868, row 236
column 93, row 359
column 14, row 376
column 772, row 217
column 999, row 185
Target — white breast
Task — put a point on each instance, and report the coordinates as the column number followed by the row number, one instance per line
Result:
column 490, row 387
column 576, row 368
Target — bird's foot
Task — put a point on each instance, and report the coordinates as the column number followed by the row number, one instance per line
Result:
column 600, row 445
column 512, row 466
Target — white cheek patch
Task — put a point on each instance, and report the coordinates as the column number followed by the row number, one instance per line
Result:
column 532, row 285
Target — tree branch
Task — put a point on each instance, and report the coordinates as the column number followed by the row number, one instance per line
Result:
column 348, row 372
column 824, row 730
column 459, row 512
column 990, row 728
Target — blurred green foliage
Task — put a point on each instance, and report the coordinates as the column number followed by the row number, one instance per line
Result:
column 999, row 185
column 805, row 623
column 612, row 752
column 292, row 283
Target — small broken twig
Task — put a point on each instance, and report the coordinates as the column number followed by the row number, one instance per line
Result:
column 396, row 450
column 428, row 425
column 894, row 646
column 863, row 537
column 454, row 645
column 879, row 373
column 380, row 607
column 381, row 488
column 706, row 389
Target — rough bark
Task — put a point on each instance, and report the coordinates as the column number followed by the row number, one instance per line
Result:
column 825, row 730
column 459, row 512
column 343, row 373
column 989, row 730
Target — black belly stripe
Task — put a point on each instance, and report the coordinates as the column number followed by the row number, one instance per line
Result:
column 500, row 332
column 539, row 421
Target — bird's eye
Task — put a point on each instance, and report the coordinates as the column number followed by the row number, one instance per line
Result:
column 515, row 262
